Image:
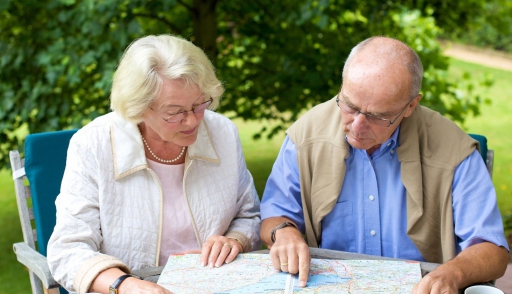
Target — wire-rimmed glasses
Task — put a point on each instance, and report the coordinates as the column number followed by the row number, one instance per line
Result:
column 177, row 117
column 379, row 121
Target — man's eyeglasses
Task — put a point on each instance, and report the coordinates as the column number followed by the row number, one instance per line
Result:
column 177, row 117
column 379, row 121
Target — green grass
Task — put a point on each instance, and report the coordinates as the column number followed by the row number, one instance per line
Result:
column 259, row 154
column 494, row 123
column 13, row 275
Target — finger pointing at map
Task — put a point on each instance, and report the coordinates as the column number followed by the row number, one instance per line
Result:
column 288, row 251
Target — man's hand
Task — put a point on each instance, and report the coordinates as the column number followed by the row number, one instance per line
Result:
column 289, row 253
column 218, row 250
column 479, row 263
column 441, row 280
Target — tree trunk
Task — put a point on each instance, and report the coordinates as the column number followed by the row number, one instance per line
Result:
column 205, row 27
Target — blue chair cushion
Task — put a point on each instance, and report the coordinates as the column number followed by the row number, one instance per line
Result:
column 45, row 160
column 483, row 145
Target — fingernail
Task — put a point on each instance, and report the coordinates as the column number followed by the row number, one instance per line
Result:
column 302, row 283
column 203, row 263
column 211, row 265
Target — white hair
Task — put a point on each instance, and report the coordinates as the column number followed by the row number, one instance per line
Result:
column 147, row 62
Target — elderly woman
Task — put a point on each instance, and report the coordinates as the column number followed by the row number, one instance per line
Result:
column 159, row 175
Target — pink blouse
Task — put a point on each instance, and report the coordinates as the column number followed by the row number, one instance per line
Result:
column 177, row 231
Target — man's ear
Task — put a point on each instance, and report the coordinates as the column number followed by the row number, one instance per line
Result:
column 412, row 105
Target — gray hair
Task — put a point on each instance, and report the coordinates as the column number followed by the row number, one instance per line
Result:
column 147, row 62
column 410, row 58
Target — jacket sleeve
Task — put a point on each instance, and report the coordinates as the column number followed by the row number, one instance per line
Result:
column 245, row 227
column 73, row 249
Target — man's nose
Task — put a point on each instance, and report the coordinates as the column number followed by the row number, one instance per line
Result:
column 359, row 121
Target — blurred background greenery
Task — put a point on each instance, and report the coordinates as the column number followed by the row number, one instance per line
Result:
column 277, row 59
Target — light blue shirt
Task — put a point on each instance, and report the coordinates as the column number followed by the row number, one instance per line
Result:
column 370, row 215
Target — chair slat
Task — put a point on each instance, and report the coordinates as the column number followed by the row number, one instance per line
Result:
column 21, row 199
column 490, row 161
column 28, row 194
column 31, row 213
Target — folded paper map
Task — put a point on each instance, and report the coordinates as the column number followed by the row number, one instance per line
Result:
column 253, row 273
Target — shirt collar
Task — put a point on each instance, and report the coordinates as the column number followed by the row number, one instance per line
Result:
column 389, row 145
column 128, row 149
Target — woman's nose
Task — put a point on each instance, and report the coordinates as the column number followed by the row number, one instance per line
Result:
column 190, row 119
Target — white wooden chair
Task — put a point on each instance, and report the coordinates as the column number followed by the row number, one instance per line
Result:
column 487, row 154
column 37, row 179
column 37, row 184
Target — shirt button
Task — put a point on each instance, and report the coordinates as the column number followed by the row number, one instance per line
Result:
column 372, row 232
column 392, row 151
column 371, row 197
column 389, row 143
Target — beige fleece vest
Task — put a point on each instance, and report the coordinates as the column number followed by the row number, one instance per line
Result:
column 431, row 147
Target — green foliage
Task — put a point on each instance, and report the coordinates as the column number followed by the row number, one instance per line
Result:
column 491, row 28
column 507, row 222
column 277, row 58
column 450, row 15
column 14, row 277
column 57, row 61
column 291, row 58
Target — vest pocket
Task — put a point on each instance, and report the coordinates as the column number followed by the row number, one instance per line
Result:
column 338, row 231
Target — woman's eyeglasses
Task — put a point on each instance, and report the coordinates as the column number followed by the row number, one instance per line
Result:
column 177, row 117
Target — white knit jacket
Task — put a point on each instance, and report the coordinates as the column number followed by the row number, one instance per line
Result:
column 109, row 210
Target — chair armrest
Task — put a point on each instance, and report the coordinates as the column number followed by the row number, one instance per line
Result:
column 36, row 263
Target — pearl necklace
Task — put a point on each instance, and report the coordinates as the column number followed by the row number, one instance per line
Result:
column 160, row 159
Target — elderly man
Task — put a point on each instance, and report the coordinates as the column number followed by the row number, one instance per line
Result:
column 372, row 172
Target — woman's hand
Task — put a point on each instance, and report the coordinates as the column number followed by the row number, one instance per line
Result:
column 135, row 286
column 130, row 285
column 218, row 250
